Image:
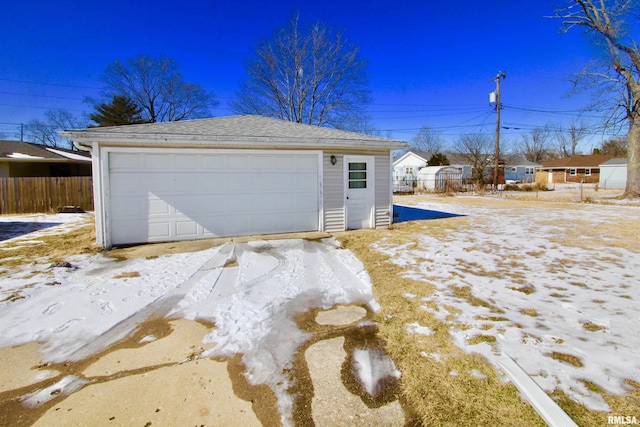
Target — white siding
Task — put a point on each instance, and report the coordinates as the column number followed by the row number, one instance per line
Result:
column 333, row 190
column 383, row 190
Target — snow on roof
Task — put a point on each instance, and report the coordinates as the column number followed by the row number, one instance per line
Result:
column 72, row 156
column 22, row 156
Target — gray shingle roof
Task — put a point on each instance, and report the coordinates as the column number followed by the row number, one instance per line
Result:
column 233, row 130
column 616, row 161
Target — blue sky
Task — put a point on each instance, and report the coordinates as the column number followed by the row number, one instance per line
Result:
column 430, row 61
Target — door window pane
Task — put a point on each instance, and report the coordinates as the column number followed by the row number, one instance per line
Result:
column 358, row 175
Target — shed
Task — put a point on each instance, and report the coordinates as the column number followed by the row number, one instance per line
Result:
column 439, row 178
column 613, row 173
column 232, row 176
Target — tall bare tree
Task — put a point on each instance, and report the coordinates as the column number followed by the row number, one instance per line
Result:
column 427, row 140
column 568, row 137
column 535, row 146
column 156, row 86
column 613, row 24
column 306, row 75
column 477, row 150
column 45, row 132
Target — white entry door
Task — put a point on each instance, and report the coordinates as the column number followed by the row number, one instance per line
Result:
column 359, row 191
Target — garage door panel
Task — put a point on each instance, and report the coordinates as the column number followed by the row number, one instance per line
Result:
column 158, row 162
column 213, row 162
column 186, row 229
column 159, row 207
column 124, row 161
column 186, row 162
column 181, row 196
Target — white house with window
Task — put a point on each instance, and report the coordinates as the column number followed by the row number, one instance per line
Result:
column 406, row 167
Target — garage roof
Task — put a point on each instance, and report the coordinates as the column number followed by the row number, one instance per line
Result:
column 233, row 131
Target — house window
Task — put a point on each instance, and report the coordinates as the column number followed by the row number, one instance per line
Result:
column 408, row 171
column 529, row 171
column 587, row 172
column 573, row 172
column 514, row 169
column 358, row 175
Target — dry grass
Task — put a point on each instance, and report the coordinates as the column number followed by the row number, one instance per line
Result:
column 127, row 274
column 593, row 327
column 54, row 248
column 429, row 388
column 566, row 358
column 529, row 312
column 528, row 289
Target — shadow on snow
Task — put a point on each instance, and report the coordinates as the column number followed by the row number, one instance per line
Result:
column 10, row 230
column 405, row 213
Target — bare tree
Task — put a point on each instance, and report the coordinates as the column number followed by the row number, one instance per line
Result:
column 156, row 86
column 360, row 123
column 45, row 132
column 569, row 137
column 427, row 140
column 612, row 23
column 535, row 146
column 305, row 75
column 477, row 150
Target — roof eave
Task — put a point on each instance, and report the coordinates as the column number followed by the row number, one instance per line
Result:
column 86, row 139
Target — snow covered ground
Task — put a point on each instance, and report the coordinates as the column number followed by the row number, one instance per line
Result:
column 552, row 282
column 251, row 291
column 550, row 290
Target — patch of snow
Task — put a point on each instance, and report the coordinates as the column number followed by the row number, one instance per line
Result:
column 64, row 387
column 416, row 328
column 72, row 156
column 372, row 368
column 478, row 374
column 22, row 156
column 434, row 356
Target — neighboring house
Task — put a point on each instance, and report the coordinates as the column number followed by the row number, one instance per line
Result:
column 519, row 170
column 579, row 169
column 459, row 161
column 24, row 159
column 613, row 173
column 406, row 167
column 439, row 178
column 231, row 176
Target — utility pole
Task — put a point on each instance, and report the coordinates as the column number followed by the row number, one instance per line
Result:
column 501, row 75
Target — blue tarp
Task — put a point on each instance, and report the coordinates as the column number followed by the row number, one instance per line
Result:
column 405, row 213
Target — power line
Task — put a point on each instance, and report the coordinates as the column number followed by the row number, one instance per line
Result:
column 49, row 84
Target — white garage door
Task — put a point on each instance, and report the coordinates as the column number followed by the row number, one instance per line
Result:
column 166, row 196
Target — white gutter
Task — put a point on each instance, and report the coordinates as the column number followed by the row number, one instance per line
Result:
column 549, row 410
column 81, row 138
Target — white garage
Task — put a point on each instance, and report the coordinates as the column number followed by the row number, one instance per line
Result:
column 232, row 176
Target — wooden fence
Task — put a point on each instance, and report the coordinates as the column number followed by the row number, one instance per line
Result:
column 45, row 194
